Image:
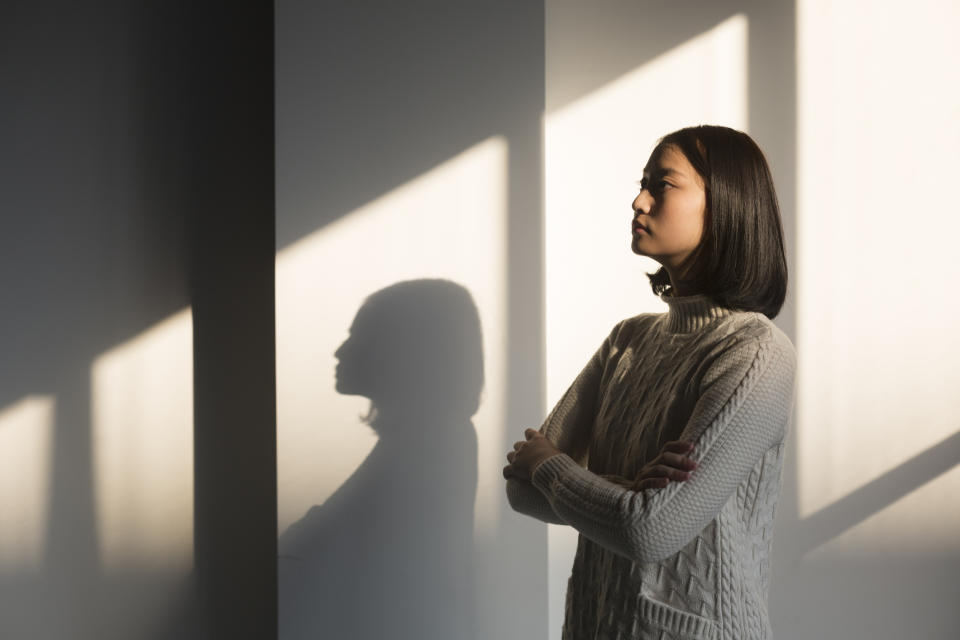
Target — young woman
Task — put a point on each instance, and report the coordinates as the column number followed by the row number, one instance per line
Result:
column 666, row 451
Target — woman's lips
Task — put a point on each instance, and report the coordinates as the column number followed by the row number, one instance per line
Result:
column 639, row 228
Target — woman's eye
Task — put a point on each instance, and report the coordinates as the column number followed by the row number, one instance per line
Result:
column 659, row 185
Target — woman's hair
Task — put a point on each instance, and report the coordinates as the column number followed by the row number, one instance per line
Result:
column 740, row 262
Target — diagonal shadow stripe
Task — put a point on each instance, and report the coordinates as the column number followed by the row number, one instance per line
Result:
column 844, row 514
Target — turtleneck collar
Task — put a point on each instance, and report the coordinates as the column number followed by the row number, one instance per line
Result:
column 687, row 314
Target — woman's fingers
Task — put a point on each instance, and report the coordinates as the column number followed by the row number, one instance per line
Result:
column 661, row 473
column 662, row 470
column 652, row 483
column 676, row 460
column 670, row 464
column 678, row 446
column 516, row 449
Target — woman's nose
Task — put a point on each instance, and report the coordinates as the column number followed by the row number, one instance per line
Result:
column 642, row 202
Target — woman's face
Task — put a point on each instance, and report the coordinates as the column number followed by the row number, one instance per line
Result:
column 670, row 208
column 359, row 358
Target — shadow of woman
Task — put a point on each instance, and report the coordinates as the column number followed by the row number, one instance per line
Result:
column 390, row 553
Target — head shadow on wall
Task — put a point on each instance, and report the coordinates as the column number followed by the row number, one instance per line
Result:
column 390, row 552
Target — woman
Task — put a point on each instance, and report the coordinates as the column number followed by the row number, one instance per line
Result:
column 666, row 451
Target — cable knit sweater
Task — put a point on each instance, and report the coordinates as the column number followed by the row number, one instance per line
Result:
column 691, row 560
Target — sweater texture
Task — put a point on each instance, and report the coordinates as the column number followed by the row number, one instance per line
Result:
column 690, row 560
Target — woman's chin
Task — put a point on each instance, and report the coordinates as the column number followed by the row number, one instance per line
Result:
column 343, row 387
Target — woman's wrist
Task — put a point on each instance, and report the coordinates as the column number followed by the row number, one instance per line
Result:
column 537, row 463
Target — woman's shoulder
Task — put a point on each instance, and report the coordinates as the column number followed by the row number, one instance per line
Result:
column 633, row 326
column 754, row 331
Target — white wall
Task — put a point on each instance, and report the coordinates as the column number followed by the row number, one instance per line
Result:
column 408, row 150
column 414, row 152
column 875, row 547
column 96, row 402
column 855, row 105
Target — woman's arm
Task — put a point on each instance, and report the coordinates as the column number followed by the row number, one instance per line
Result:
column 743, row 410
column 526, row 499
column 568, row 426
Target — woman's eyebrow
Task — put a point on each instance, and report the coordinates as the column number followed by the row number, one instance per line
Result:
column 663, row 171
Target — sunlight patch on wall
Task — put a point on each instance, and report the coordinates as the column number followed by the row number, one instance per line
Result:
column 595, row 151
column 26, row 428
column 448, row 223
column 879, row 133
column 142, row 418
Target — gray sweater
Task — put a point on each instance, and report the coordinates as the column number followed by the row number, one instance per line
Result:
column 691, row 560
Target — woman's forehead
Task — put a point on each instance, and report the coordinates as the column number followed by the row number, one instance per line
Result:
column 667, row 160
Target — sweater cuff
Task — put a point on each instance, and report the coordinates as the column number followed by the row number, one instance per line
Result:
column 550, row 469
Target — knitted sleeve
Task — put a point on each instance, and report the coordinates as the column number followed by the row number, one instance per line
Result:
column 568, row 426
column 744, row 408
column 527, row 499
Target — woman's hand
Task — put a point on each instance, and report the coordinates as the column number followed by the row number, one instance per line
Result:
column 526, row 455
column 671, row 464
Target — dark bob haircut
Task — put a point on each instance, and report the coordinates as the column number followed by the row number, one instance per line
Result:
column 740, row 262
